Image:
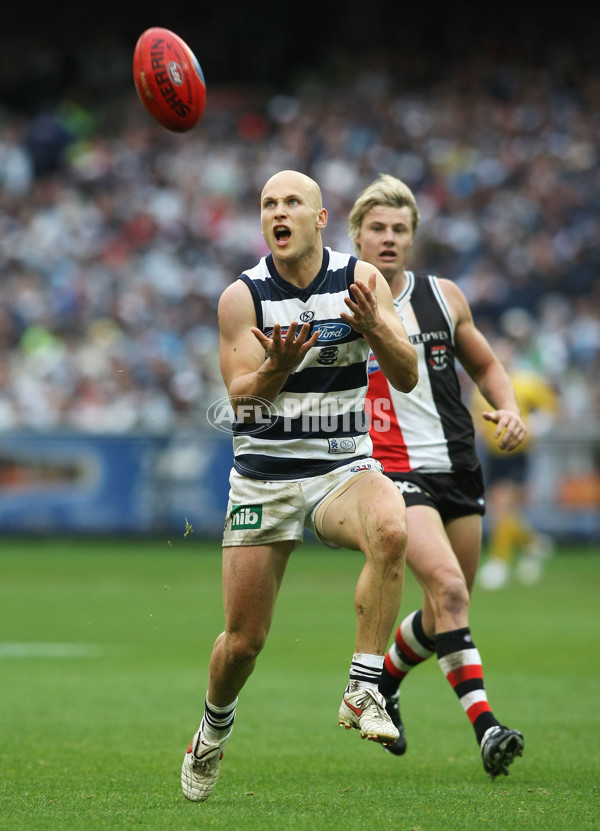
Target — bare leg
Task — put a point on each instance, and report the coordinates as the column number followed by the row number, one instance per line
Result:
column 252, row 577
column 370, row 516
column 444, row 561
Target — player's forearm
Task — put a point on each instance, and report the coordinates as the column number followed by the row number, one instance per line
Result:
column 397, row 358
column 497, row 389
column 263, row 385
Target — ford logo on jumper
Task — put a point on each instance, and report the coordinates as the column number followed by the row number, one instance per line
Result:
column 329, row 332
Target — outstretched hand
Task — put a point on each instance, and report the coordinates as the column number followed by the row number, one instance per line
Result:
column 510, row 430
column 287, row 351
column 365, row 313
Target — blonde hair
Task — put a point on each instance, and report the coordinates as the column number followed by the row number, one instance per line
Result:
column 388, row 191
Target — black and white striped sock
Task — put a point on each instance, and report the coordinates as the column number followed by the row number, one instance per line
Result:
column 366, row 669
column 218, row 721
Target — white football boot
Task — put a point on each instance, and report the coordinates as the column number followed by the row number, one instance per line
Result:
column 364, row 709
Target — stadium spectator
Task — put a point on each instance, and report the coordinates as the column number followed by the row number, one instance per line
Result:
column 137, row 228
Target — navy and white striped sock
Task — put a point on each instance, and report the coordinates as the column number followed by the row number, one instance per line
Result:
column 218, row 721
column 365, row 669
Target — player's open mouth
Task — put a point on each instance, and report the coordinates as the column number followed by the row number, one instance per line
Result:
column 388, row 254
column 282, row 234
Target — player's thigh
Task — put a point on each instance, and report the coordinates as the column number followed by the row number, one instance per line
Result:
column 252, row 576
column 429, row 553
column 464, row 534
column 368, row 515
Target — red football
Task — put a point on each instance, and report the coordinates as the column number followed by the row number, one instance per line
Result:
column 168, row 79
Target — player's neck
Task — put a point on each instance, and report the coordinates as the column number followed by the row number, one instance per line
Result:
column 397, row 283
column 302, row 271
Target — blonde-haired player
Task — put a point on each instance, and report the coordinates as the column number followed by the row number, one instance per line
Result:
column 425, row 440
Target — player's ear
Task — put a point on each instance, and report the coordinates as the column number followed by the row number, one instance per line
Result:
column 322, row 219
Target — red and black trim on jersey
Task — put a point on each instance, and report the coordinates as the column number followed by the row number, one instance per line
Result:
column 428, row 429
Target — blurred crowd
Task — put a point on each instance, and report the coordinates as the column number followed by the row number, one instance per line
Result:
column 117, row 237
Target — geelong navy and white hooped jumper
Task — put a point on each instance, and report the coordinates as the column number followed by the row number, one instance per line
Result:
column 430, row 429
column 317, row 422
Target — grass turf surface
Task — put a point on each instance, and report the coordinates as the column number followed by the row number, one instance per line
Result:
column 104, row 647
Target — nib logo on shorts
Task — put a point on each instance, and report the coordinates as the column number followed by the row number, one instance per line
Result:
column 246, row 516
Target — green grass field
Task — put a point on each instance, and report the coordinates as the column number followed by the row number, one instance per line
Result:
column 104, row 648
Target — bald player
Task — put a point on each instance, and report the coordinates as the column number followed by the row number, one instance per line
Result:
column 296, row 331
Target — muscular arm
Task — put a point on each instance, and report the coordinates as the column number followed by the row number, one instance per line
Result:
column 373, row 315
column 253, row 365
column 479, row 360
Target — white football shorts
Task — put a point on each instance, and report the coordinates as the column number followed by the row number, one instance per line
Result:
column 262, row 512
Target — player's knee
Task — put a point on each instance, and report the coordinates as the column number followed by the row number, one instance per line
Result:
column 398, row 537
column 453, row 594
column 389, row 539
column 244, row 647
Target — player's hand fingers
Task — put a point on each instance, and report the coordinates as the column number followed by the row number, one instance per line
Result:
column 260, row 337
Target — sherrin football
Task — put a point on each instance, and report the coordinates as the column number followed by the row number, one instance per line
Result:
column 168, row 79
